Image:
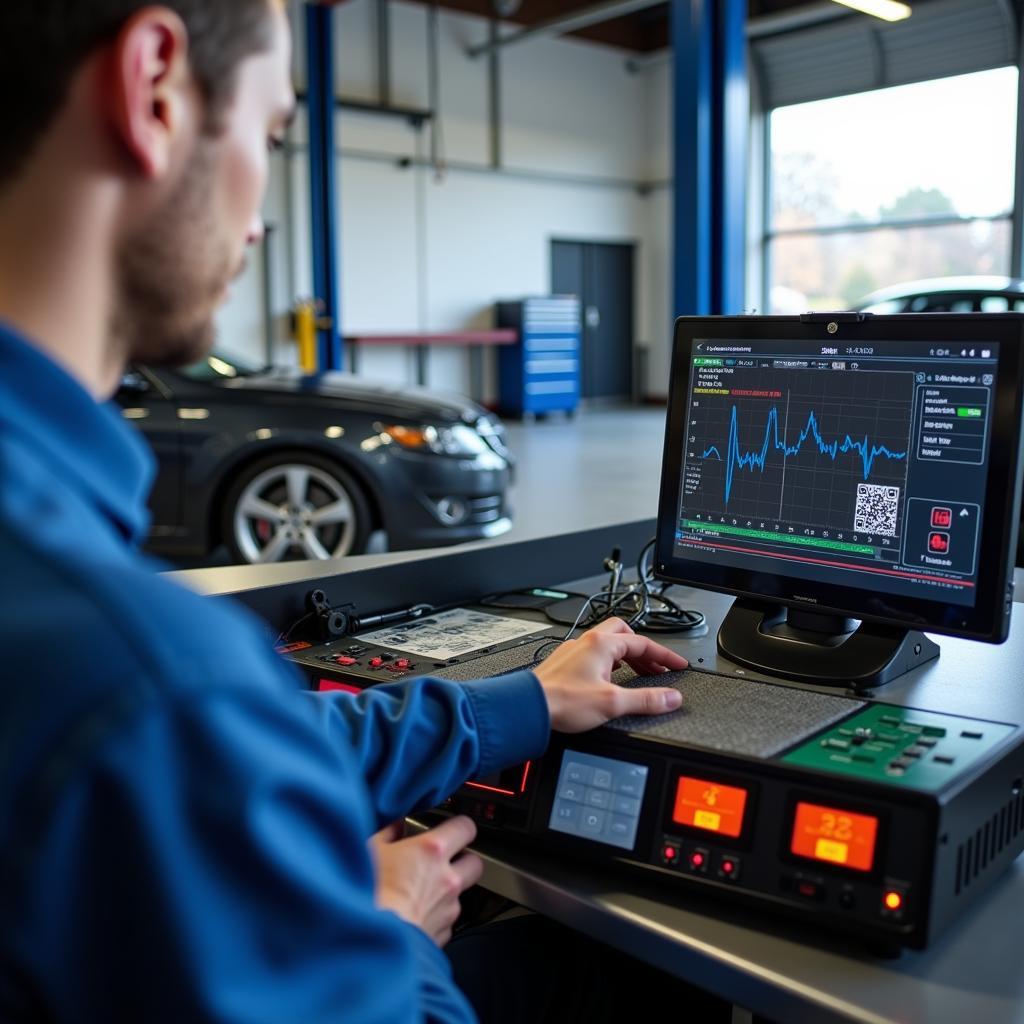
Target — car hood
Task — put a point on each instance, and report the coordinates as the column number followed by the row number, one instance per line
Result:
column 360, row 394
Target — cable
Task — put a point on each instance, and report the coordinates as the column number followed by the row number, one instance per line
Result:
column 650, row 612
column 285, row 635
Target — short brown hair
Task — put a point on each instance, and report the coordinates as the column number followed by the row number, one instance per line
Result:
column 44, row 42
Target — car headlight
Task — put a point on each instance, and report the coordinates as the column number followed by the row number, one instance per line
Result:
column 493, row 433
column 457, row 439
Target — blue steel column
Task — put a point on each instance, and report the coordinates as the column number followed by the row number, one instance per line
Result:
column 710, row 124
column 323, row 182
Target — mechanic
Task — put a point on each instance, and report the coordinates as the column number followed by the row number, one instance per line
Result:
column 184, row 835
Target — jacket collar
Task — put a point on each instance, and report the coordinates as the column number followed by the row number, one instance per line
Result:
column 86, row 443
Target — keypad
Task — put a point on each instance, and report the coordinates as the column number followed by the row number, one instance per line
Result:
column 598, row 798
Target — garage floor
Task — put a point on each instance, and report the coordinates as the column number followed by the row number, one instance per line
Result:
column 599, row 467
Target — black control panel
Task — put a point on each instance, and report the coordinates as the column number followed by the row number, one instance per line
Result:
column 867, row 818
column 883, row 860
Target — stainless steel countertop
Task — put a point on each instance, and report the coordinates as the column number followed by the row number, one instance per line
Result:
column 973, row 974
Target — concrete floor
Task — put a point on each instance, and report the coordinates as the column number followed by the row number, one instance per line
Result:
column 599, row 467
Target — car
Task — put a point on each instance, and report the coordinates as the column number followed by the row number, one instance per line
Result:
column 970, row 294
column 276, row 465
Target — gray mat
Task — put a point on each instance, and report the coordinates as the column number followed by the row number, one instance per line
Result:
column 736, row 716
column 523, row 656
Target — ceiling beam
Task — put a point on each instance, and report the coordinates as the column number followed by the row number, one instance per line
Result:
column 565, row 23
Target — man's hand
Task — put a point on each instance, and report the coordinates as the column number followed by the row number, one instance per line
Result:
column 577, row 678
column 421, row 878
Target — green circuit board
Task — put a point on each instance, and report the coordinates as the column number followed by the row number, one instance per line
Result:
column 901, row 746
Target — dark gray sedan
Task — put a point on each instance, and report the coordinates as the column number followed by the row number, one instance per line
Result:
column 277, row 465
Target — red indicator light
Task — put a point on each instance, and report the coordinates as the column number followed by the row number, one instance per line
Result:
column 490, row 789
column 323, row 685
column 669, row 853
column 893, row 900
column 299, row 645
column 697, row 859
column 834, row 836
column 710, row 806
column 728, row 867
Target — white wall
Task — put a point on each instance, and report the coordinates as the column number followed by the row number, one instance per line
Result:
column 422, row 253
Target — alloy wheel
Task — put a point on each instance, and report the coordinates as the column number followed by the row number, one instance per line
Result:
column 294, row 510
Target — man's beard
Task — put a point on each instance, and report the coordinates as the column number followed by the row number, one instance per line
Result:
column 172, row 273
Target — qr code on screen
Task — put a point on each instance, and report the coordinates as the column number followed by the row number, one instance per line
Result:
column 876, row 509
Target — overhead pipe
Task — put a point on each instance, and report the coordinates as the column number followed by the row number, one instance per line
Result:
column 563, row 24
column 766, row 25
column 793, row 20
column 797, row 18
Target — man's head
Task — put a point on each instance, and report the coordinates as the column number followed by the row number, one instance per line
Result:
column 174, row 106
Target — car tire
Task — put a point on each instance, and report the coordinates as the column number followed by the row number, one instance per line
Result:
column 294, row 505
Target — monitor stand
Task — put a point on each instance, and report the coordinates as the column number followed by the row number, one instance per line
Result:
column 812, row 647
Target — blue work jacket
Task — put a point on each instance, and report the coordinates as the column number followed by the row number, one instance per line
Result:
column 183, row 827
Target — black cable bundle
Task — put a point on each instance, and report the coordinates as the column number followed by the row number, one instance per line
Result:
column 642, row 604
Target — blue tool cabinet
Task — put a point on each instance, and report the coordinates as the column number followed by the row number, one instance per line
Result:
column 541, row 373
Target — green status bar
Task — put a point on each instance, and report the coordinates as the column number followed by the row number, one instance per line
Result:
column 785, row 538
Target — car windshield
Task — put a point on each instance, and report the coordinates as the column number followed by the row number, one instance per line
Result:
column 221, row 365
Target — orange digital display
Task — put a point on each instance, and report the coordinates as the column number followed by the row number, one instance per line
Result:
column 834, row 836
column 710, row 806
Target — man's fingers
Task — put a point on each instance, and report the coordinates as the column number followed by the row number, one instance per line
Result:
column 657, row 654
column 469, row 867
column 452, row 836
column 612, row 625
column 647, row 701
column 654, row 665
column 642, row 651
column 390, row 833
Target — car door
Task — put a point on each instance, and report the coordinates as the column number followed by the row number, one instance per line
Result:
column 148, row 405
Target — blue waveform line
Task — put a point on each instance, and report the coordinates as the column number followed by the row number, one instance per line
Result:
column 752, row 460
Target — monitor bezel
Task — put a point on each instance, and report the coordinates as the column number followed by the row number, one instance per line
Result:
column 988, row 620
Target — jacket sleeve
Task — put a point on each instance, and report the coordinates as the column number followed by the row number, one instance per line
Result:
column 417, row 742
column 208, row 862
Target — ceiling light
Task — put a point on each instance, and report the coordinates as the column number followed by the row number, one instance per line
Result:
column 887, row 10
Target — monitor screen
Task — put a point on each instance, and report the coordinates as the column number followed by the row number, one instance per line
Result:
column 868, row 469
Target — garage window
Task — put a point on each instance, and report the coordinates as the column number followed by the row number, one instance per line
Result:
column 890, row 185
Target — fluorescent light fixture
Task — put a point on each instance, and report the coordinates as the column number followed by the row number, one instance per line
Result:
column 887, row 10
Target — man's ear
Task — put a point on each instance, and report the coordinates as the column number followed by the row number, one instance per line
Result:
column 151, row 91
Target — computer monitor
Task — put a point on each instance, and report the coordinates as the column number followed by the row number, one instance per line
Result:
column 853, row 479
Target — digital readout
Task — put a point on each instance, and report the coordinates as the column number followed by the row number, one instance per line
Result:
column 834, row 836
column 701, row 803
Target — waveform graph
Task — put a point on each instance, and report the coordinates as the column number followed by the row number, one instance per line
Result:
column 810, row 447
